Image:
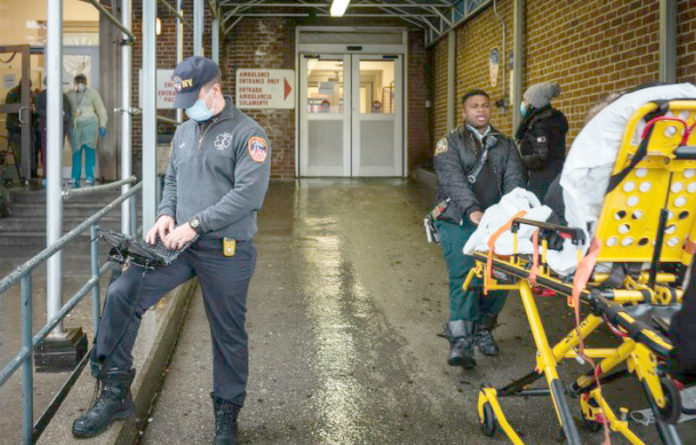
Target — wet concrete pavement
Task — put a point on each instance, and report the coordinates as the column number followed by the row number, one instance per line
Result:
column 343, row 313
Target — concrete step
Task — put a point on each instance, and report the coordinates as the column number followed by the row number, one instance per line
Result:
column 38, row 224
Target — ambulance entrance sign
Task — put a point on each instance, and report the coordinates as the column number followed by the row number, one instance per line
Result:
column 260, row 88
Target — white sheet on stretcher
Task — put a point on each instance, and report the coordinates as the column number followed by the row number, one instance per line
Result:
column 497, row 215
column 584, row 180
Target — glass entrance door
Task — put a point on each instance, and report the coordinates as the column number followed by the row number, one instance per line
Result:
column 325, row 116
column 351, row 115
column 377, row 147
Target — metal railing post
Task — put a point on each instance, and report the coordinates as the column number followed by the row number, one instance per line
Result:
column 198, row 24
column 94, row 263
column 27, row 375
column 179, row 49
column 54, row 153
column 149, row 118
column 133, row 222
column 126, row 166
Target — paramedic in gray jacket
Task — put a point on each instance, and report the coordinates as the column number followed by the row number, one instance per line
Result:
column 475, row 166
column 216, row 182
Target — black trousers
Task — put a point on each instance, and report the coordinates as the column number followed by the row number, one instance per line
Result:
column 224, row 283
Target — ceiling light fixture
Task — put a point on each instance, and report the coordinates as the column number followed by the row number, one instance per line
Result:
column 338, row 7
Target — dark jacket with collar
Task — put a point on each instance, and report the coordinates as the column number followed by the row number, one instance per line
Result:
column 457, row 154
column 541, row 138
column 219, row 171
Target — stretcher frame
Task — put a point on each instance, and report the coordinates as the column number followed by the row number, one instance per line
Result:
column 642, row 349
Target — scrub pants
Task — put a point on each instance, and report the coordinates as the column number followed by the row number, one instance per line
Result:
column 90, row 158
column 224, row 283
column 471, row 306
column 84, row 139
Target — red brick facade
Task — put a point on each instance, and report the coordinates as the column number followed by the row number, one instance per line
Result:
column 590, row 48
column 268, row 43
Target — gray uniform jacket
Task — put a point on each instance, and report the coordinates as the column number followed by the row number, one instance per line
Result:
column 218, row 171
column 457, row 154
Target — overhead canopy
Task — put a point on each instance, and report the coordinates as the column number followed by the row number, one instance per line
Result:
column 434, row 17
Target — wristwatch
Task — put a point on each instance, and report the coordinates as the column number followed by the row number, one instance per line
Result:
column 195, row 224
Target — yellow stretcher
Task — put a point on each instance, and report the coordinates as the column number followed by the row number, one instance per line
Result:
column 648, row 219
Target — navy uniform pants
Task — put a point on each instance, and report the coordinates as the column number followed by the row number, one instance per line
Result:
column 471, row 305
column 224, row 283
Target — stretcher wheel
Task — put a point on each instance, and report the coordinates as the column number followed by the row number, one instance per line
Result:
column 489, row 424
column 672, row 410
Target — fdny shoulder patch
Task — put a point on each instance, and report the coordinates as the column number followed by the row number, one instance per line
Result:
column 258, row 149
column 441, row 146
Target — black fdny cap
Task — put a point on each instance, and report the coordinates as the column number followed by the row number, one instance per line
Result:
column 189, row 76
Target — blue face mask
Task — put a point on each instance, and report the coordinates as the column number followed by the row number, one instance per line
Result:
column 199, row 111
column 523, row 109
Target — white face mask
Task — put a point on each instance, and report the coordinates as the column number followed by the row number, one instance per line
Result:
column 80, row 87
column 199, row 111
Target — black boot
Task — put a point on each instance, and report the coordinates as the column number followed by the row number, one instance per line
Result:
column 460, row 334
column 225, row 421
column 113, row 403
column 484, row 338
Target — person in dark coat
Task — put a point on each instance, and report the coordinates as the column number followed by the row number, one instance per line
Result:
column 476, row 165
column 541, row 137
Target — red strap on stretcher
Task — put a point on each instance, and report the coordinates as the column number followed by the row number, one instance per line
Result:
column 580, row 280
column 690, row 247
column 491, row 248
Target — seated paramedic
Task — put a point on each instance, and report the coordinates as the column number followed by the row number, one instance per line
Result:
column 475, row 165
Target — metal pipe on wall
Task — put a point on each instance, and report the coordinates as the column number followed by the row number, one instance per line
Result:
column 126, row 149
column 54, row 152
column 668, row 41
column 179, row 49
column 215, row 41
column 149, row 119
column 198, row 25
column 502, row 57
column 518, row 62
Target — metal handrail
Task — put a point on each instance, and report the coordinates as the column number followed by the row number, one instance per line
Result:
column 176, row 13
column 24, row 356
column 111, row 18
column 67, row 194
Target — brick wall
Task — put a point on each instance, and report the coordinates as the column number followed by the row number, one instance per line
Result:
column 418, row 116
column 474, row 43
column 686, row 51
column 591, row 51
column 267, row 43
column 270, row 43
column 591, row 48
column 439, row 89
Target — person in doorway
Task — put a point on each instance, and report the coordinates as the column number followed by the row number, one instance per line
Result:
column 41, row 110
column 541, row 137
column 88, row 124
column 475, row 165
column 215, row 184
column 13, row 124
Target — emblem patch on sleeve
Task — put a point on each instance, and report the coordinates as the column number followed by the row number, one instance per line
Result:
column 258, row 149
column 441, row 146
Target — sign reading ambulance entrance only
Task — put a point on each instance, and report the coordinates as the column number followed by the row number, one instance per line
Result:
column 265, row 89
